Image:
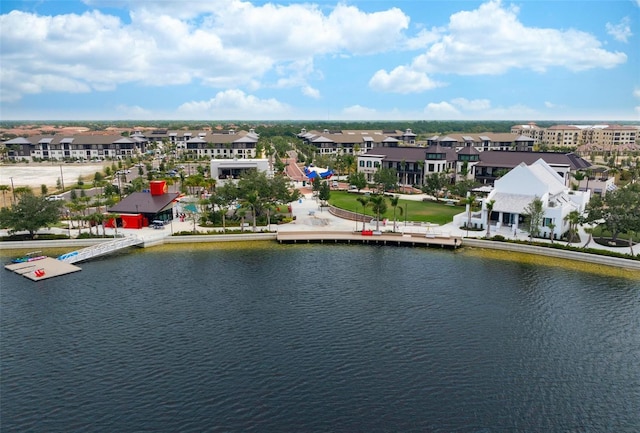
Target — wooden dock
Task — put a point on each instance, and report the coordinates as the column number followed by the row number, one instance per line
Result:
column 369, row 237
column 42, row 269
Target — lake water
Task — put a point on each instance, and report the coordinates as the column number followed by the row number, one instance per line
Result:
column 315, row 338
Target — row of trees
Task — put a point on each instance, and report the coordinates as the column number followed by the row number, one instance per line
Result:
column 253, row 194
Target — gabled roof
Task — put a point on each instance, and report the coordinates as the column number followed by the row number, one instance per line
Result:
column 407, row 154
column 144, row 202
column 537, row 179
column 18, row 140
column 468, row 150
column 510, row 159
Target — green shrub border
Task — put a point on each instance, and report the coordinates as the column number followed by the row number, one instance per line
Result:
column 559, row 246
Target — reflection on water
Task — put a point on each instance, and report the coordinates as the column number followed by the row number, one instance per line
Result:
column 267, row 337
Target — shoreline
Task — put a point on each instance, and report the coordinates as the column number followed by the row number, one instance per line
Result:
column 623, row 263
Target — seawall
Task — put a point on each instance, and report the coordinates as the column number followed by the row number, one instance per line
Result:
column 552, row 252
column 469, row 242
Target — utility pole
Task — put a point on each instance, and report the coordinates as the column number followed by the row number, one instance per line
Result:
column 13, row 191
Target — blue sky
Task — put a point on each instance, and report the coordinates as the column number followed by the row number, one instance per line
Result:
column 323, row 60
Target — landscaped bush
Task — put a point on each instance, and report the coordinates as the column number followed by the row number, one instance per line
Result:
column 40, row 237
column 562, row 246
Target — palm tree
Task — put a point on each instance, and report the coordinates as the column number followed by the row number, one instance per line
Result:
column 489, row 204
column 552, row 227
column 470, row 201
column 589, row 231
column 379, row 206
column 395, row 201
column 573, row 218
column 251, row 202
column 579, row 176
column 364, row 201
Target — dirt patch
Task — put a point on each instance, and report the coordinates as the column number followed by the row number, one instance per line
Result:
column 34, row 175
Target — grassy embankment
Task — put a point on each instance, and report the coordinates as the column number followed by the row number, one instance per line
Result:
column 435, row 213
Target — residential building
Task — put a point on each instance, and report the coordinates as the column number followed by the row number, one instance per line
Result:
column 74, row 147
column 355, row 142
column 513, row 193
column 604, row 136
column 414, row 163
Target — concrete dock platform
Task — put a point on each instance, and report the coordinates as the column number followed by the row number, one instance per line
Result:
column 42, row 269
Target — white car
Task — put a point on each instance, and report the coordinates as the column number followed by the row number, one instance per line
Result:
column 55, row 198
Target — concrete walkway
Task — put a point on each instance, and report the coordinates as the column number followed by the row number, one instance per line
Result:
column 311, row 217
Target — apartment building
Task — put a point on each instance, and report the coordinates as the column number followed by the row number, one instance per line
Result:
column 355, row 142
column 602, row 135
column 74, row 147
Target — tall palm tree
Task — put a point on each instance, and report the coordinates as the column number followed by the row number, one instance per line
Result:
column 489, row 204
column 552, row 227
column 589, row 231
column 364, row 201
column 379, row 206
column 395, row 201
column 250, row 202
column 573, row 218
column 470, row 201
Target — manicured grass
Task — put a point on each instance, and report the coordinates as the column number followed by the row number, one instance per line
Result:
column 437, row 213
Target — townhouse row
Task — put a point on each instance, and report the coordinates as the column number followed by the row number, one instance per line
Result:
column 227, row 144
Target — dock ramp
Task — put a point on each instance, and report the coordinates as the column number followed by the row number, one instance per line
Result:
column 100, row 249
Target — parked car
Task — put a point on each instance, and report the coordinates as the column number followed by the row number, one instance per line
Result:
column 55, row 198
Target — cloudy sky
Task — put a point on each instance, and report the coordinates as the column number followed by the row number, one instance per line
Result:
column 323, row 60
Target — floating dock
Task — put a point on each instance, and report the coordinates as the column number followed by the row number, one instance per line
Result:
column 42, row 269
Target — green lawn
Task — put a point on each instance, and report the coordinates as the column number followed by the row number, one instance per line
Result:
column 437, row 213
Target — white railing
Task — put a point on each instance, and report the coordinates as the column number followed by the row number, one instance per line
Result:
column 100, row 249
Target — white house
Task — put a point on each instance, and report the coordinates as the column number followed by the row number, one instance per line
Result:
column 514, row 191
column 225, row 169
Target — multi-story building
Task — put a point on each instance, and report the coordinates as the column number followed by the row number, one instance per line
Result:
column 200, row 144
column 74, row 147
column 413, row 164
column 604, row 136
column 355, row 142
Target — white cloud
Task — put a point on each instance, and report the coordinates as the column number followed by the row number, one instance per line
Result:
column 621, row 31
column 636, row 91
column 311, row 92
column 441, row 111
column 358, row 112
column 134, row 112
column 234, row 104
column 472, row 105
column 491, row 40
column 477, row 109
column 402, row 80
column 221, row 44
column 549, row 104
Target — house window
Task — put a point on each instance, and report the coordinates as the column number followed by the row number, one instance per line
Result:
column 369, row 164
column 376, row 164
column 431, row 167
column 361, row 163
